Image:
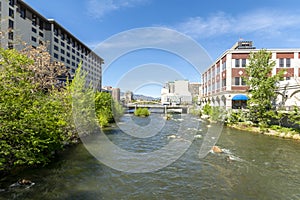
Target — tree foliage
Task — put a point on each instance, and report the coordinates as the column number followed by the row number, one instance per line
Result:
column 33, row 124
column 262, row 86
column 142, row 112
column 107, row 110
column 47, row 74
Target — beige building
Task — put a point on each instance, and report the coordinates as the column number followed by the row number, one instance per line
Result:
column 20, row 22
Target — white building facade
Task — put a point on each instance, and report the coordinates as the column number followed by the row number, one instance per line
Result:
column 176, row 92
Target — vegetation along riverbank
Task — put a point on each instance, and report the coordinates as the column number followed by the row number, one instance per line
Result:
column 36, row 115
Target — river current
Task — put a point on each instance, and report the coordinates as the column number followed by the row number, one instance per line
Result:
column 252, row 166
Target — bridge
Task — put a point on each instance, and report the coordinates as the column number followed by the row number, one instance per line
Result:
column 157, row 108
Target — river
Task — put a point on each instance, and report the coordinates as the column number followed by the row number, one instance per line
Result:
column 253, row 166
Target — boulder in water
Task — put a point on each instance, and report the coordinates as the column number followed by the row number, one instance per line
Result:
column 216, row 149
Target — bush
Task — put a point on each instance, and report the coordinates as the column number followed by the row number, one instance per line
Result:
column 195, row 111
column 207, row 109
column 142, row 112
column 33, row 123
column 107, row 110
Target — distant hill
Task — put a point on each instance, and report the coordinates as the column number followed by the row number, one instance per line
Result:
column 144, row 98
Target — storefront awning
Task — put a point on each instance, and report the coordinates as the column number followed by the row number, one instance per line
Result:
column 240, row 97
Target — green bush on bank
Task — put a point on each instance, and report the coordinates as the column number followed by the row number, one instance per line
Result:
column 33, row 123
column 107, row 110
column 142, row 112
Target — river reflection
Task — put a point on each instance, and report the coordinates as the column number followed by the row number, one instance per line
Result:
column 253, row 166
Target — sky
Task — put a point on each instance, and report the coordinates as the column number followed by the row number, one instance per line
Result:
column 145, row 43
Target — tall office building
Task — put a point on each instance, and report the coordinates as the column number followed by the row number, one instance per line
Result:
column 21, row 23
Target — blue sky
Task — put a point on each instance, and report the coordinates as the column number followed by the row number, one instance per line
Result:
column 215, row 25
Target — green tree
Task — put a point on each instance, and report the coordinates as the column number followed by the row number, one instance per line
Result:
column 107, row 110
column 34, row 124
column 262, row 86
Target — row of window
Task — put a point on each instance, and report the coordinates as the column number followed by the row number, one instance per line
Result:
column 92, row 60
column 214, row 86
column 240, row 62
column 284, row 62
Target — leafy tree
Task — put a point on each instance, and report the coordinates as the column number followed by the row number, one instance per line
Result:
column 107, row 110
column 262, row 86
column 33, row 124
column 47, row 74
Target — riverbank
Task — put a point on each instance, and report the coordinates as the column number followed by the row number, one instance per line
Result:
column 287, row 134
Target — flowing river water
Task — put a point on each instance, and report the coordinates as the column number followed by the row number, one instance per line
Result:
column 253, row 166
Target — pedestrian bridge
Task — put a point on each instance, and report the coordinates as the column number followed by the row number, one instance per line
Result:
column 157, row 108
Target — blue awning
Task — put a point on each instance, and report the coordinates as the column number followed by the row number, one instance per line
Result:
column 240, row 97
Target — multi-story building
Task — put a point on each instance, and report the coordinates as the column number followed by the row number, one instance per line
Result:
column 176, row 92
column 224, row 86
column 116, row 94
column 21, row 24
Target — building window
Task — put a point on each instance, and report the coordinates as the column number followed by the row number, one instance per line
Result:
column 56, row 31
column 73, row 57
column 33, row 39
column 223, row 82
column 11, row 2
column 11, row 35
column 73, row 64
column 73, row 50
column 223, row 66
column 68, row 47
column 68, row 40
column 56, row 55
column 34, row 20
column 41, row 34
column 55, row 40
column 11, row 24
column 62, row 44
column 41, row 24
column 22, row 12
column 62, row 35
column 68, row 54
column 11, row 12
column 243, row 62
column 287, row 62
column 62, row 58
column 68, row 61
column 236, row 80
column 62, row 51
column 237, row 62
column 33, row 30
column 281, row 62
column 55, row 47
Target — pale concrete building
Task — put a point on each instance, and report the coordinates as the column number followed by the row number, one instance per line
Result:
column 176, row 92
column 21, row 24
column 116, row 94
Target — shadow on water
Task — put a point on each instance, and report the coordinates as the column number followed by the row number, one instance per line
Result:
column 253, row 166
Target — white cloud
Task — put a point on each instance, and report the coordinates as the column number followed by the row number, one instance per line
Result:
column 220, row 23
column 99, row 8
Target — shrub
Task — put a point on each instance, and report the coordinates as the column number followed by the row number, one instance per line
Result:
column 33, row 123
column 107, row 110
column 142, row 112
